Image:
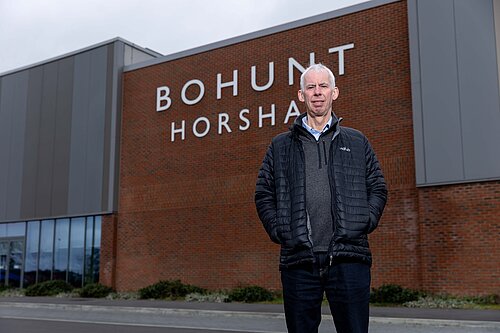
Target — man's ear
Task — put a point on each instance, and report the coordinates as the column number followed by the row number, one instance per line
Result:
column 300, row 95
column 335, row 94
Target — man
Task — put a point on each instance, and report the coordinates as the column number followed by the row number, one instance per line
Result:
column 319, row 193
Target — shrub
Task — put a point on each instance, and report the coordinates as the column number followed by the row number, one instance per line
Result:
column 250, row 294
column 441, row 302
column 210, row 297
column 48, row 288
column 169, row 289
column 95, row 290
column 394, row 294
column 485, row 299
column 4, row 287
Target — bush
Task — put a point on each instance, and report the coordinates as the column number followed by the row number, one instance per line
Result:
column 394, row 294
column 217, row 297
column 169, row 289
column 4, row 288
column 95, row 290
column 48, row 288
column 485, row 299
column 250, row 294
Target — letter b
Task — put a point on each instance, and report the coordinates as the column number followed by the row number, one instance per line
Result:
column 161, row 96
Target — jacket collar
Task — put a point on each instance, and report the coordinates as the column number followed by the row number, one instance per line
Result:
column 297, row 128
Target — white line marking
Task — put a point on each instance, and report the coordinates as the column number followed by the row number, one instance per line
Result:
column 138, row 325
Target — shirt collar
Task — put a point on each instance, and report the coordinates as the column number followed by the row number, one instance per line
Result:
column 313, row 131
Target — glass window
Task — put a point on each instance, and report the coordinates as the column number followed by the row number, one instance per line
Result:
column 4, row 255
column 76, row 252
column 97, row 247
column 89, row 244
column 16, row 229
column 15, row 263
column 61, row 250
column 46, row 251
column 31, row 261
column 3, row 229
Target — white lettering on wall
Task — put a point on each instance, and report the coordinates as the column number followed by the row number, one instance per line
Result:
column 341, row 50
column 181, row 130
column 223, row 120
column 200, row 85
column 201, row 125
column 195, row 127
column 293, row 111
column 244, row 119
column 292, row 63
column 233, row 84
column 271, row 115
column 270, row 80
column 161, row 96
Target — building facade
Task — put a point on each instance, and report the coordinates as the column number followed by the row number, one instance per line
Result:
column 165, row 191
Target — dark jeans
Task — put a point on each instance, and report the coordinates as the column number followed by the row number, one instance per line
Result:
column 347, row 288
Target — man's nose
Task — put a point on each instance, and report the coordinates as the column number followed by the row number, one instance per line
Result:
column 317, row 90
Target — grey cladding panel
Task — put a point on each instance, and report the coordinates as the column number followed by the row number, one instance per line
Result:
column 479, row 93
column 5, row 120
column 56, row 124
column 79, row 120
column 440, row 102
column 46, row 141
column 95, row 130
column 31, row 142
column 62, row 137
column 455, row 91
column 12, row 114
column 416, row 92
column 134, row 56
column 15, row 171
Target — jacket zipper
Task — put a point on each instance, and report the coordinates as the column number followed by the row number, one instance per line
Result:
column 308, row 223
column 332, row 179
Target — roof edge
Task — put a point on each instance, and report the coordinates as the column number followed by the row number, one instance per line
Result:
column 261, row 33
column 87, row 48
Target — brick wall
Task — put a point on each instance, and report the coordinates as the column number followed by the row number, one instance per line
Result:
column 460, row 232
column 186, row 207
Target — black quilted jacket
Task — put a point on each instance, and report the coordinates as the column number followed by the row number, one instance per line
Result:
column 358, row 190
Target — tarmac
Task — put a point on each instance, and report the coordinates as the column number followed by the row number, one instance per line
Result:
column 448, row 317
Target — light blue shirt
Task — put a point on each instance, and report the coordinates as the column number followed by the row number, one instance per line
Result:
column 313, row 131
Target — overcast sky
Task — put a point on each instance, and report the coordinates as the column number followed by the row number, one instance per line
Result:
column 36, row 30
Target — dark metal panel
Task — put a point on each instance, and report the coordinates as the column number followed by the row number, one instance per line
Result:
column 440, row 95
column 95, row 134
column 62, row 137
column 110, row 104
column 78, row 146
column 5, row 116
column 45, row 174
column 31, row 142
column 115, row 96
column 15, row 163
column 479, row 91
column 416, row 92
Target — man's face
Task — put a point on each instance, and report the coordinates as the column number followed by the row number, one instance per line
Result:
column 318, row 94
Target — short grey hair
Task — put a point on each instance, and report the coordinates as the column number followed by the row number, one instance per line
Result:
column 317, row 68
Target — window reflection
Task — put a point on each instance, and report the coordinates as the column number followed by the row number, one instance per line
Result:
column 46, row 251
column 61, row 249
column 15, row 263
column 76, row 254
column 97, row 248
column 31, row 255
column 89, row 242
column 15, row 229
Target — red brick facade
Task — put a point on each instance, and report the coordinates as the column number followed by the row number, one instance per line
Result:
column 186, row 207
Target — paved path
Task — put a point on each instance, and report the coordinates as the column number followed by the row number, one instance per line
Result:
column 57, row 314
